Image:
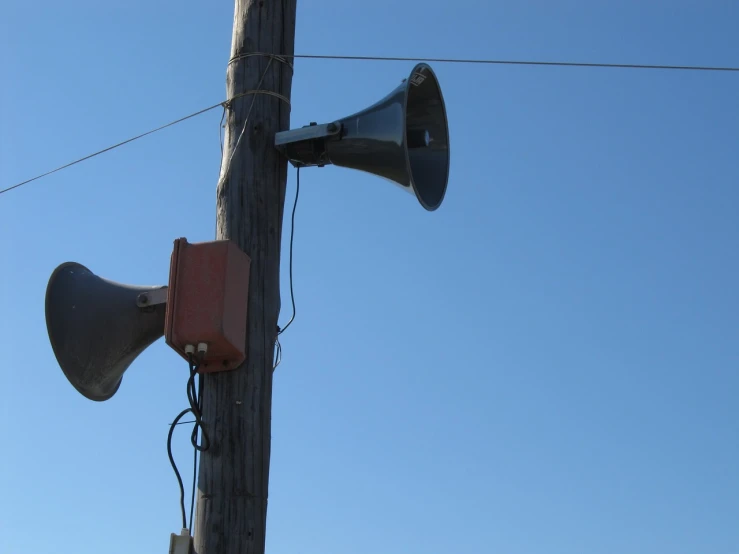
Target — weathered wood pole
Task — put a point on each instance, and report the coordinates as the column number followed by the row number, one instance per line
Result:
column 233, row 481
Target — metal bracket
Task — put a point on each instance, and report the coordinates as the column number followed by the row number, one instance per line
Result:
column 309, row 132
column 152, row 297
column 307, row 146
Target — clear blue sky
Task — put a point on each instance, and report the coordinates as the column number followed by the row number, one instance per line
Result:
column 547, row 364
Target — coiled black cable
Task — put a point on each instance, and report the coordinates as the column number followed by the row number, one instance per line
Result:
column 195, row 399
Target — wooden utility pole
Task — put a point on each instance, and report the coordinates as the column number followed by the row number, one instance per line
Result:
column 233, row 481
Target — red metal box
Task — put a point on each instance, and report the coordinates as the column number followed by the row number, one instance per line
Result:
column 207, row 301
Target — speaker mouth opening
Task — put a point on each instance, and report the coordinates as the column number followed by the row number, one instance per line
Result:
column 426, row 137
column 53, row 325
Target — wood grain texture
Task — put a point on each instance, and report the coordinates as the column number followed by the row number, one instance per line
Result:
column 233, row 481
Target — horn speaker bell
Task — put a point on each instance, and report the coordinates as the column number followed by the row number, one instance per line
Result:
column 403, row 138
column 96, row 328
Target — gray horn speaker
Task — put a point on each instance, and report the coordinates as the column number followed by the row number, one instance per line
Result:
column 404, row 138
column 98, row 327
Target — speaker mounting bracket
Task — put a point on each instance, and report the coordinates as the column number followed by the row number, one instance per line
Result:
column 307, row 144
column 309, row 132
column 152, row 298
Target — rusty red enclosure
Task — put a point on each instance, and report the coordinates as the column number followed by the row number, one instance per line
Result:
column 207, row 302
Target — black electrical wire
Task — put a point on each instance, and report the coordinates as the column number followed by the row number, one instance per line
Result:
column 174, row 465
column 292, row 237
column 201, row 381
column 195, row 399
column 194, row 483
column 195, row 408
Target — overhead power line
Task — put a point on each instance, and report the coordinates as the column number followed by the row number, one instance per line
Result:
column 70, row 164
column 388, row 59
column 514, row 62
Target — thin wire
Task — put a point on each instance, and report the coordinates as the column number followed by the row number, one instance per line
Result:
column 142, row 135
column 246, row 120
column 511, row 62
column 111, row 148
column 220, row 163
column 259, row 91
column 292, row 236
column 174, row 466
column 279, row 58
column 227, row 104
column 278, row 353
column 195, row 399
column 194, row 484
column 282, row 57
column 220, row 131
column 201, row 382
